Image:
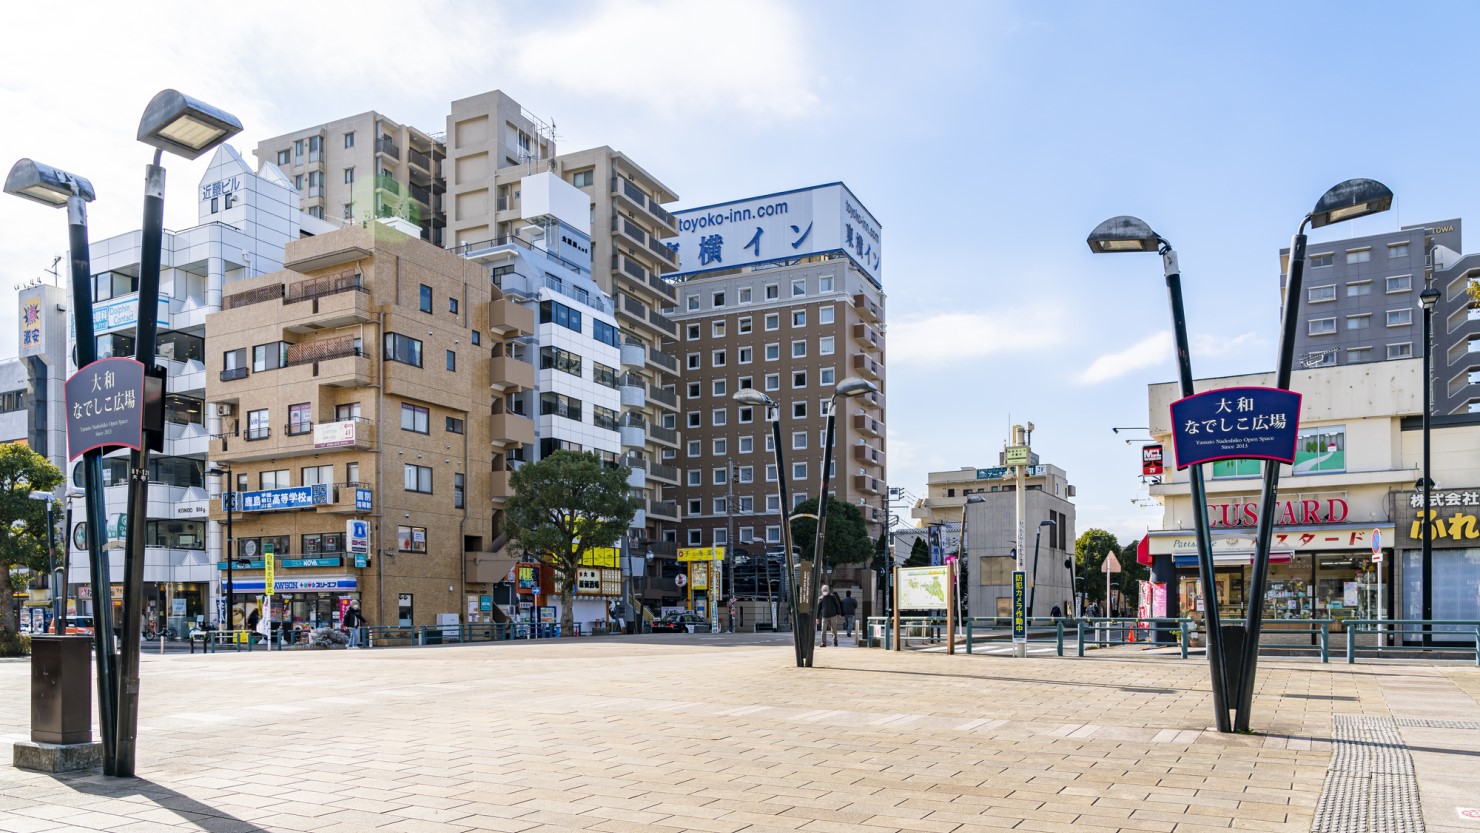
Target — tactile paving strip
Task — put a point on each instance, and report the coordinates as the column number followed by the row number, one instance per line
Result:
column 1423, row 723
column 1370, row 786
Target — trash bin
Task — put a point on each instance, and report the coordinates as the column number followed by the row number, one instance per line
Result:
column 61, row 689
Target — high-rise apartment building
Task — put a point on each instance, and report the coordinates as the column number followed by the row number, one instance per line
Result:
column 368, row 380
column 628, row 261
column 1361, row 305
column 782, row 294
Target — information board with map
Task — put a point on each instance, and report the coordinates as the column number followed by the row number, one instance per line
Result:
column 923, row 588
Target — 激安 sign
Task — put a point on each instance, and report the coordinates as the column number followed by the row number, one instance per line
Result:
column 1244, row 423
column 105, row 406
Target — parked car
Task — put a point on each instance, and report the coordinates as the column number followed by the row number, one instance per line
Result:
column 80, row 625
column 681, row 623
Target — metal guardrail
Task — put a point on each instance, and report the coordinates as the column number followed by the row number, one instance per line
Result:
column 1403, row 628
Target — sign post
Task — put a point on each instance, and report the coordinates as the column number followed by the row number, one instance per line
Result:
column 1019, row 607
column 1377, row 560
column 268, row 586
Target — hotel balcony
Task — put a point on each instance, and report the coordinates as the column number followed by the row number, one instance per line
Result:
column 509, row 319
column 507, row 372
column 868, row 454
column 867, row 485
column 867, row 425
column 865, row 366
column 867, row 309
column 867, row 336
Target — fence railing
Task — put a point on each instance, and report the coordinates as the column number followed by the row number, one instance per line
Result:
column 1412, row 629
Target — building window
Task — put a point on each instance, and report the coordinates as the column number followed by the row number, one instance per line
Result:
column 1354, row 290
column 773, row 291
column 259, row 424
column 349, row 139
column 825, row 314
column 269, row 356
column 747, row 414
column 745, row 474
column 583, row 179
column 404, row 349
column 696, row 537
column 604, row 418
column 694, row 448
column 1358, row 355
column 717, row 329
column 696, row 507
column 719, row 417
column 299, row 419
column 1397, row 250
column 1318, row 294
column 1322, row 326
column 418, row 478
column 1399, row 317
column 771, row 478
column 316, row 212
column 696, row 477
column 825, row 284
column 721, row 446
column 747, row 444
column 773, row 534
column 477, row 338
column 284, row 157
column 694, row 419
column 347, row 411
column 692, row 301
column 773, row 352
column 317, row 475
column 798, row 318
column 276, row 479
column 1400, row 351
column 798, row 288
column 691, row 332
column 349, row 176
column 719, row 299
column 1320, row 261
column 451, row 361
column 745, row 325
column 454, row 425
column 799, row 349
column 603, row 375
column 773, row 381
column 1359, row 255
column 693, row 361
column 349, row 211
column 718, row 359
column 411, row 539
column 457, row 490
column 799, row 410
column 826, row 376
column 747, row 354
column 452, row 305
column 1358, row 322
column 825, row 346
column 553, row 358
column 415, row 418
column 798, row 471
column 799, row 379
column 745, row 295
column 773, row 321
column 798, row 440
column 552, row 312
column 718, row 475
column 557, row 404
column 1399, row 283
column 718, row 386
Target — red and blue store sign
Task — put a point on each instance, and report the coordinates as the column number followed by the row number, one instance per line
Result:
column 1243, row 423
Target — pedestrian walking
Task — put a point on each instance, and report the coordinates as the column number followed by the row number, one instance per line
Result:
column 619, row 613
column 1057, row 612
column 850, row 609
column 829, row 614
column 353, row 621
column 252, row 619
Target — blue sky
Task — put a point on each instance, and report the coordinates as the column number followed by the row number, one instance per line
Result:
column 988, row 138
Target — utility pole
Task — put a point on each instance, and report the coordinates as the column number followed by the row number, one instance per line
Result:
column 1020, row 467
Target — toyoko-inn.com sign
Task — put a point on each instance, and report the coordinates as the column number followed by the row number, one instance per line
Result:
column 775, row 227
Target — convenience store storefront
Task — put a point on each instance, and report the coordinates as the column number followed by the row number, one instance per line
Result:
column 1321, row 565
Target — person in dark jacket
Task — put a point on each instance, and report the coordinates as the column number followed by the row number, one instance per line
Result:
column 829, row 612
column 353, row 621
column 850, row 609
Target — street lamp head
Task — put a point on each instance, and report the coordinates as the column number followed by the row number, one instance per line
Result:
column 45, row 184
column 1350, row 200
column 76, row 493
column 751, row 396
column 1123, row 234
column 185, row 126
column 854, row 386
column 43, row 496
column 217, row 471
column 1428, row 298
column 975, row 499
column 1049, row 522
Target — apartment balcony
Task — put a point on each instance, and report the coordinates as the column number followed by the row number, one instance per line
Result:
column 282, row 441
column 867, row 425
column 421, row 194
column 865, row 484
column 387, row 147
column 325, row 251
column 663, row 322
column 633, row 395
column 511, row 429
column 387, row 184
column 663, row 473
column 508, row 318
column 633, row 355
column 867, row 336
column 665, row 398
column 326, row 302
column 665, row 510
column 868, row 455
column 636, row 477
column 347, row 371
column 867, row 309
column 419, row 160
column 867, row 367
column 660, row 250
column 342, row 500
column 499, row 489
column 630, row 198
column 634, row 436
column 662, row 361
column 507, row 372
column 663, row 436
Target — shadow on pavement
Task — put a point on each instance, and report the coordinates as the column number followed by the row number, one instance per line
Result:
column 1134, row 689
column 189, row 810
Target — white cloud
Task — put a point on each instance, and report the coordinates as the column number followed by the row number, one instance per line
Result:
column 952, row 337
column 679, row 57
column 1148, row 352
column 1212, row 347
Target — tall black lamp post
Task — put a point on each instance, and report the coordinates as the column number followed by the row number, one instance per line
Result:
column 1347, row 201
column 848, row 388
column 1131, row 234
column 963, row 604
column 1037, row 537
column 754, row 398
column 1427, row 298
column 228, row 499
column 57, row 614
column 189, row 128
column 55, row 188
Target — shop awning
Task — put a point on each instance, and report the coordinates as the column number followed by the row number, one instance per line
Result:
column 306, row 584
column 1189, row 559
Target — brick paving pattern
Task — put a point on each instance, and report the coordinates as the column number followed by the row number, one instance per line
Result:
column 623, row 735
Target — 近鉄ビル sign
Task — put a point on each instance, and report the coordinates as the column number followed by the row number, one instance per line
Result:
column 1248, row 423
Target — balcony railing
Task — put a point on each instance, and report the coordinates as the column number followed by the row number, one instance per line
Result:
column 419, row 159
column 260, row 295
column 632, row 306
column 258, row 433
column 664, row 435
column 294, row 429
column 322, row 351
column 663, row 360
column 308, row 290
column 231, row 374
column 421, row 193
column 388, row 147
column 663, row 322
column 667, row 397
column 388, row 184
column 662, row 472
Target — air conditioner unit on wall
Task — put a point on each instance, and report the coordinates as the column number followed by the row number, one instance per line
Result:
column 225, row 410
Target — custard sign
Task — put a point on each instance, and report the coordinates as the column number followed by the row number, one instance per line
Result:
column 1286, row 513
column 1244, row 423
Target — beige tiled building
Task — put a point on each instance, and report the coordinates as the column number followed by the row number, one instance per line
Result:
column 628, row 260
column 365, row 381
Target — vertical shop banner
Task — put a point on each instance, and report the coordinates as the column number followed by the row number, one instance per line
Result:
column 1151, row 460
column 1019, row 606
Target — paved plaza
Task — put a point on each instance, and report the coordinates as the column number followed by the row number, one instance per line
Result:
column 721, row 733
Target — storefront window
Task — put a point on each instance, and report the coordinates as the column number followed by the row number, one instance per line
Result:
column 254, row 547
column 1456, row 589
column 183, row 535
column 1346, row 587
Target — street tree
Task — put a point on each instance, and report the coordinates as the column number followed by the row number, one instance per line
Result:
column 23, row 536
column 919, row 554
column 563, row 507
column 1090, row 550
column 847, row 536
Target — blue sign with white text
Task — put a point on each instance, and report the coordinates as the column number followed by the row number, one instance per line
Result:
column 1245, row 423
column 298, row 497
column 364, row 500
